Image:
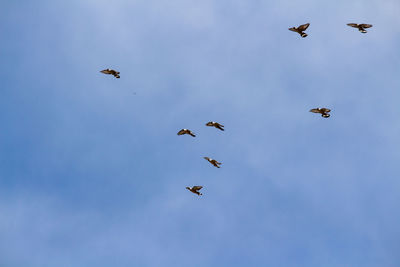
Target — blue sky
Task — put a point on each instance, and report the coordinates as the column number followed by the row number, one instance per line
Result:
column 92, row 172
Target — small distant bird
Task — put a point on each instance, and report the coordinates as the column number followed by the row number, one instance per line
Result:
column 186, row 131
column 300, row 30
column 213, row 162
column 360, row 27
column 216, row 125
column 195, row 189
column 323, row 111
column 112, row 72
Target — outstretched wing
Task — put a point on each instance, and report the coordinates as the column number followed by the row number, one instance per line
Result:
column 325, row 110
column 354, row 25
column 105, row 71
column 293, row 29
column 315, row 110
column 303, row 27
column 209, row 123
column 183, row 131
column 220, row 127
column 197, row 187
column 366, row 25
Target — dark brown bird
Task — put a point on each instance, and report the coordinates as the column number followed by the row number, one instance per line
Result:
column 213, row 162
column 300, row 30
column 111, row 72
column 216, row 125
column 195, row 189
column 323, row 111
column 186, row 131
column 360, row 27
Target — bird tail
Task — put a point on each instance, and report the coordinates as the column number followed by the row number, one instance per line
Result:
column 303, row 34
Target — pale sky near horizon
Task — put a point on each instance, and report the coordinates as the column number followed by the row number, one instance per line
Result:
column 92, row 172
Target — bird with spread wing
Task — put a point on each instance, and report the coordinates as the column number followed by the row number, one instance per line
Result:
column 216, row 125
column 300, row 30
column 323, row 111
column 195, row 189
column 111, row 72
column 213, row 162
column 360, row 27
column 186, row 131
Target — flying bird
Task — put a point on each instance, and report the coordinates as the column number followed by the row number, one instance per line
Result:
column 186, row 131
column 195, row 189
column 213, row 162
column 360, row 27
column 111, row 72
column 300, row 30
column 216, row 125
column 323, row 111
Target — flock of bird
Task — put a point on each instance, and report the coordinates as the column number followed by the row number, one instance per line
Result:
column 300, row 30
column 323, row 111
column 195, row 189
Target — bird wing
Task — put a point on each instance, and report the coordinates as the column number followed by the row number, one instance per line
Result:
column 325, row 110
column 293, row 29
column 209, row 123
column 315, row 110
column 181, row 132
column 365, row 25
column 354, row 25
column 303, row 27
column 197, row 187
column 105, row 71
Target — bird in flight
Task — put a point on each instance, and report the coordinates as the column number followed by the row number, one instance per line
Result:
column 186, row 131
column 112, row 72
column 195, row 189
column 360, row 27
column 323, row 111
column 213, row 162
column 300, row 30
column 216, row 125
